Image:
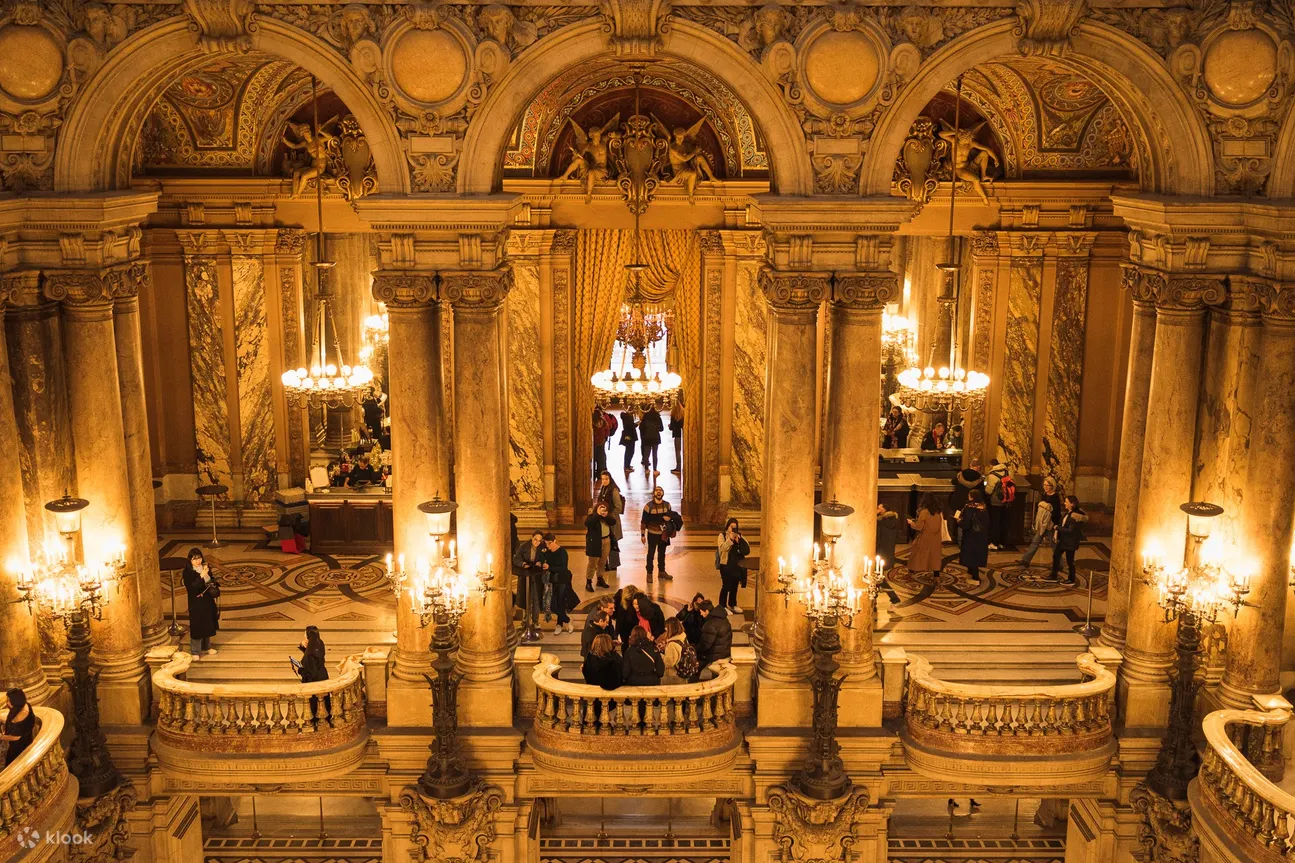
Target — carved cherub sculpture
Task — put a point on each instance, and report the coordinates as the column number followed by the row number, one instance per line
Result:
column 687, row 162
column 970, row 158
column 316, row 147
column 589, row 156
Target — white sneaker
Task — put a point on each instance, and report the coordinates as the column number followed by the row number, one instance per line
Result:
column 735, row 609
column 211, row 652
column 194, row 657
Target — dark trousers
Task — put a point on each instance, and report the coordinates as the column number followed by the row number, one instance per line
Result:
column 997, row 522
column 678, row 451
column 561, row 585
column 600, row 457
column 314, row 706
column 657, row 546
column 1070, row 560
column 729, row 582
column 651, row 461
column 534, row 596
column 629, row 454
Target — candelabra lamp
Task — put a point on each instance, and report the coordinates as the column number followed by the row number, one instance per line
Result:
column 60, row 586
column 439, row 595
column 830, row 601
column 1191, row 595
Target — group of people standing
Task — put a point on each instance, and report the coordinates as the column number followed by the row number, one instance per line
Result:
column 894, row 433
column 628, row 641
column 644, row 431
column 976, row 520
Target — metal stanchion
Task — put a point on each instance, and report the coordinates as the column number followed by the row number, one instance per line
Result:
column 256, row 829
column 213, row 491
column 1088, row 630
column 322, row 834
column 1016, row 820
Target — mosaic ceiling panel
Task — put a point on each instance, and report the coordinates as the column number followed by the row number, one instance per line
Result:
column 1051, row 120
column 228, row 115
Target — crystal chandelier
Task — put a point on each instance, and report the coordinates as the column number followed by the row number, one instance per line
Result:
column 950, row 387
column 639, row 387
column 1202, row 586
column 325, row 383
column 59, row 585
column 377, row 328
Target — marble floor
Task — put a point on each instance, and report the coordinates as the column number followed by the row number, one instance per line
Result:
column 1015, row 626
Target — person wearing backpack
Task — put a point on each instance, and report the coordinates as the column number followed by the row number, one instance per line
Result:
column 716, row 640
column 1070, row 533
column 680, row 657
column 731, row 549
column 1001, row 489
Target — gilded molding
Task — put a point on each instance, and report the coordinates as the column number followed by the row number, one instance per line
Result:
column 820, row 831
column 795, row 292
column 984, row 243
column 1047, row 26
column 290, row 241
column 405, row 290
column 484, row 290
column 1274, row 300
column 459, row 830
column 223, row 26
column 1181, row 293
column 865, row 291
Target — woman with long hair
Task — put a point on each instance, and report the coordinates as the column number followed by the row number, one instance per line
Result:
column 608, row 492
column 895, row 433
column 314, row 668
column 731, row 549
column 203, row 590
column 925, row 554
column 19, row 725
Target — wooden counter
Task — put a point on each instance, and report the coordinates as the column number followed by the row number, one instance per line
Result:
column 350, row 521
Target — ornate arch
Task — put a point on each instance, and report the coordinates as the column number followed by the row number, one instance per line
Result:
column 487, row 139
column 1175, row 151
column 1282, row 184
column 96, row 141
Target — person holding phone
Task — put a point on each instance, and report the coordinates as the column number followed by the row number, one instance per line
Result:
column 731, row 549
column 313, row 668
column 204, row 615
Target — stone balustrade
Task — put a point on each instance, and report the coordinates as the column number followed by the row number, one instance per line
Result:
column 203, row 729
column 36, row 790
column 686, row 718
column 1004, row 734
column 1232, row 797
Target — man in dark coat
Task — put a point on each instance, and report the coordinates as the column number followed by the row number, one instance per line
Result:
column 598, row 622
column 203, row 590
column 716, row 639
column 691, row 619
column 642, row 665
column 650, row 429
column 963, row 482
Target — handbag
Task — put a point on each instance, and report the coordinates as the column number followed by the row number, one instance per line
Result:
column 944, row 531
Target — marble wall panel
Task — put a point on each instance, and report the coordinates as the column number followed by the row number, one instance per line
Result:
column 207, row 371
column 1020, row 364
column 255, row 410
column 525, row 410
column 1065, row 371
column 34, row 337
column 746, row 469
column 1225, row 422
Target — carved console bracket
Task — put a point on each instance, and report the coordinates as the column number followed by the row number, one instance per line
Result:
column 1166, row 833
column 222, row 25
column 815, row 831
column 459, row 830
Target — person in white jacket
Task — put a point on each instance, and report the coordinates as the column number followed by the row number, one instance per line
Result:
column 1042, row 528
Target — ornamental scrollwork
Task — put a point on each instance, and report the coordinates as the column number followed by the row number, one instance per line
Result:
column 794, row 292
column 865, row 290
column 107, row 819
column 1047, row 26
column 477, row 290
column 223, row 26
column 459, row 830
column 1166, row 834
column 815, row 831
column 399, row 290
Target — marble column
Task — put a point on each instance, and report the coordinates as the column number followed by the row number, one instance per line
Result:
column 139, row 456
column 1254, row 654
column 481, row 488
column 1125, row 560
column 850, row 465
column 1166, row 484
column 787, row 518
column 419, row 468
column 19, row 638
column 102, row 471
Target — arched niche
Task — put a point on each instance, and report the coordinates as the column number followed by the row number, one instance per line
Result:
column 1174, row 142
column 98, row 137
column 487, row 138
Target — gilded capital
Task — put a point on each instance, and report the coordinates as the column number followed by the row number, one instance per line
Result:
column 795, row 292
column 1174, row 292
column 290, row 241
column 477, row 290
column 405, row 290
column 865, row 291
column 78, row 288
column 1274, row 300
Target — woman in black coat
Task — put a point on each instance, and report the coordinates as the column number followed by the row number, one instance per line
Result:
column 642, row 665
column 974, row 524
column 625, row 615
column 651, row 612
column 629, row 437
column 314, row 668
column 1070, row 533
column 602, row 667
column 204, row 616
column 895, row 434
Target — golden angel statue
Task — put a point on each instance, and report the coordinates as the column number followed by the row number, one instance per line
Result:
column 317, row 146
column 688, row 163
column 589, row 156
column 970, row 158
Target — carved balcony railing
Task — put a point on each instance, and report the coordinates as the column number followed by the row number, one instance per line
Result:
column 36, row 790
column 1231, row 797
column 1003, row 735
column 696, row 721
column 217, row 730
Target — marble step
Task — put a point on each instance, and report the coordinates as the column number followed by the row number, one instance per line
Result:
column 996, row 657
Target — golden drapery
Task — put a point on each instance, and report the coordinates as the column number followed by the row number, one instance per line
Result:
column 601, row 285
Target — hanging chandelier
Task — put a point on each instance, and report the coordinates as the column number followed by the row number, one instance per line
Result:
column 950, row 387
column 896, row 339
column 325, row 383
column 639, row 387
